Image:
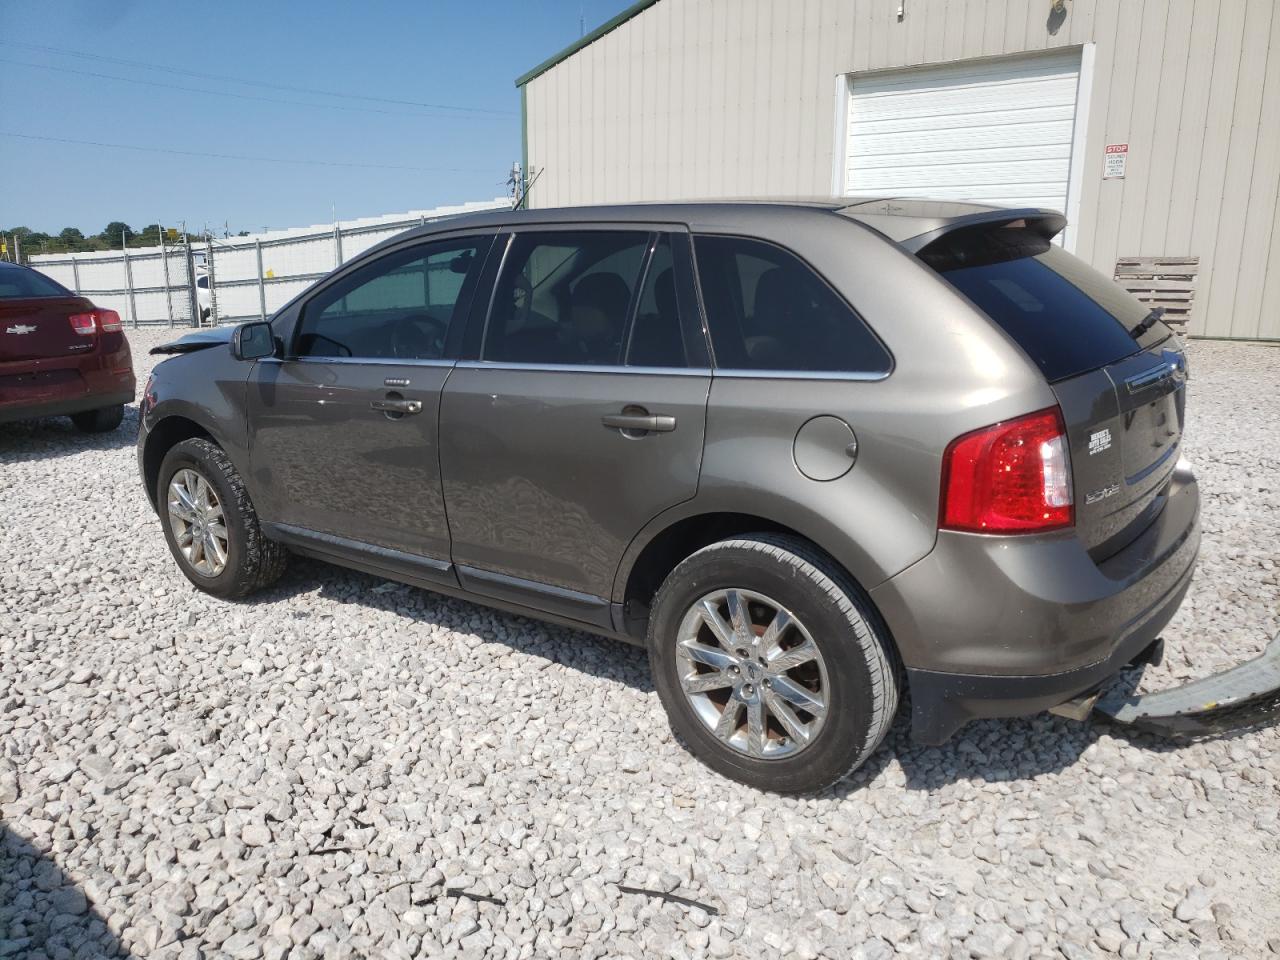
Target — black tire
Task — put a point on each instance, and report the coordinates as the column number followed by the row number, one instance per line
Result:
column 862, row 671
column 102, row 420
column 253, row 562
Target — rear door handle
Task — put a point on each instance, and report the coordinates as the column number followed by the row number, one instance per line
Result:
column 397, row 406
column 640, row 422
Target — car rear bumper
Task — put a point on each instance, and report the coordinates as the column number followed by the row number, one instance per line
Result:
column 62, row 406
column 57, row 386
column 1010, row 626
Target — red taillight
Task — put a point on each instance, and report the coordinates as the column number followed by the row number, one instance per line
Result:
column 1013, row 477
column 95, row 321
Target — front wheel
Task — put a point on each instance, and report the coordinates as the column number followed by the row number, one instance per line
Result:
column 772, row 664
column 210, row 524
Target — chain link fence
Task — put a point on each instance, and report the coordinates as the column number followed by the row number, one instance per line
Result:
column 231, row 279
column 147, row 285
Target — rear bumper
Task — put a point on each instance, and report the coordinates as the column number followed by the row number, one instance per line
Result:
column 1009, row 626
column 57, row 386
column 63, row 406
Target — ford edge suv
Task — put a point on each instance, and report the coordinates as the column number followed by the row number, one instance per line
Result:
column 813, row 455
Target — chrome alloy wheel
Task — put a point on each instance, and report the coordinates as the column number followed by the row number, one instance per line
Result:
column 752, row 673
column 199, row 526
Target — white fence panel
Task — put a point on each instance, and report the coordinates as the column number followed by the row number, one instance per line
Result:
column 102, row 275
column 63, row 273
column 242, row 278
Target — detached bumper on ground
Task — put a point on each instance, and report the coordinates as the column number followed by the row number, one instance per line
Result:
column 1241, row 698
column 1058, row 626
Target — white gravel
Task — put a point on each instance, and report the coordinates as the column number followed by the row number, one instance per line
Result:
column 347, row 767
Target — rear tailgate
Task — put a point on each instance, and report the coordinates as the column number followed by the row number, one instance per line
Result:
column 37, row 328
column 1121, row 392
column 1124, row 426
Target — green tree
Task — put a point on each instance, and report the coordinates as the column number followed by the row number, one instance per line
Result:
column 70, row 235
column 115, row 231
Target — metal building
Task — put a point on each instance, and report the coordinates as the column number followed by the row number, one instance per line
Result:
column 1153, row 124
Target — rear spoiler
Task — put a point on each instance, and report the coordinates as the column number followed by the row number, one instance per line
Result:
column 1047, row 223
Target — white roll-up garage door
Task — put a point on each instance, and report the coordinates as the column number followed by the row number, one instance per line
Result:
column 994, row 131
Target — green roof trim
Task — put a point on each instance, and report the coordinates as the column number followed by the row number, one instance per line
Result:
column 592, row 37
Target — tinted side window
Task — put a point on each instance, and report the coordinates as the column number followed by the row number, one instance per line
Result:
column 399, row 306
column 1066, row 316
column 565, row 297
column 768, row 310
column 657, row 337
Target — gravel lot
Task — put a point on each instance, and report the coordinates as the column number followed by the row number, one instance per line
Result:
column 347, row 767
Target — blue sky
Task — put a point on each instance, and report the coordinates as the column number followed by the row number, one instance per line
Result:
column 444, row 52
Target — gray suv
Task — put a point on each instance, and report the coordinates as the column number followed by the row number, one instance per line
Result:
column 812, row 455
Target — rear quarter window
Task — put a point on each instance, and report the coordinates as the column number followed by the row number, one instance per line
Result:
column 1066, row 316
column 768, row 310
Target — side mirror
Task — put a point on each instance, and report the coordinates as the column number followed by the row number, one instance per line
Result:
column 253, row 341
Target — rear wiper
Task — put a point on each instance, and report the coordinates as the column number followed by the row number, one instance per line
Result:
column 1149, row 321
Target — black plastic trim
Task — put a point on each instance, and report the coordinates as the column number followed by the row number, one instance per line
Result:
column 583, row 607
column 394, row 561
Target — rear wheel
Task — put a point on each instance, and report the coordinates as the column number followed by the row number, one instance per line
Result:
column 210, row 524
column 772, row 665
column 102, row 420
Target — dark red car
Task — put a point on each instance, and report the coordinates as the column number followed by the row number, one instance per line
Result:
column 60, row 355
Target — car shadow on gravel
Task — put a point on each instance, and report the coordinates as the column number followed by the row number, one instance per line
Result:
column 588, row 653
column 994, row 751
column 987, row 751
column 24, row 441
column 43, row 913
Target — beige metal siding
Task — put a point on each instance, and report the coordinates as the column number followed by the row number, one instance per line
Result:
column 725, row 98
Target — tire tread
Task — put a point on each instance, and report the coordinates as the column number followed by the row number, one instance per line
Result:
column 263, row 560
column 867, row 628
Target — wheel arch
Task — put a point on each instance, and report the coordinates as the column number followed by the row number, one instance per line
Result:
column 669, row 539
column 168, row 432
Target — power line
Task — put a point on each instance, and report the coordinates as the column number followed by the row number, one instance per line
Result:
column 238, row 96
column 237, row 156
column 255, row 83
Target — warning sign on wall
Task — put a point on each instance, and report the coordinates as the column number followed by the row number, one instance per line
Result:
column 1114, row 163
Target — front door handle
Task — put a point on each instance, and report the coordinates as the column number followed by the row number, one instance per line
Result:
column 397, row 406
column 639, row 422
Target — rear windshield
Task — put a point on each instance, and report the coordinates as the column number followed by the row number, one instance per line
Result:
column 16, row 282
column 1065, row 315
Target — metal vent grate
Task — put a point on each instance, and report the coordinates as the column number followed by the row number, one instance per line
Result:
column 1168, row 282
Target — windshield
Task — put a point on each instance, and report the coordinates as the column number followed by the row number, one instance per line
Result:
column 1066, row 316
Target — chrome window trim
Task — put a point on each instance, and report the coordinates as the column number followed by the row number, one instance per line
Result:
column 370, row 361
column 582, row 368
column 866, row 377
column 859, row 375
